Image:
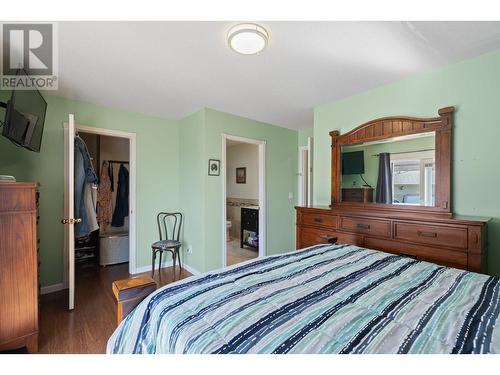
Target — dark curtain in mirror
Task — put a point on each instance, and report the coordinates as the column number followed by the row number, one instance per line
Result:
column 384, row 182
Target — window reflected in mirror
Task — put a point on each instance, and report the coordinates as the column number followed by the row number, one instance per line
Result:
column 399, row 170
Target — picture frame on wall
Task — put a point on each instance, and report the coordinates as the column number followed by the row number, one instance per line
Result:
column 241, row 175
column 213, row 167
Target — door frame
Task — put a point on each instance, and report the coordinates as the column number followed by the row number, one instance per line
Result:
column 300, row 175
column 132, row 236
column 262, row 193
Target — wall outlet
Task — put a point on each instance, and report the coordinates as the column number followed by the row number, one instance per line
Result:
column 189, row 250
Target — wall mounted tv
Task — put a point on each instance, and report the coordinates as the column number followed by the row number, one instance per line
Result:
column 25, row 117
column 353, row 162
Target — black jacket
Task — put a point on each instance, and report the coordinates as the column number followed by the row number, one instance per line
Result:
column 121, row 206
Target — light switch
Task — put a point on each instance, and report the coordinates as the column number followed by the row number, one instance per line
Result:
column 290, row 195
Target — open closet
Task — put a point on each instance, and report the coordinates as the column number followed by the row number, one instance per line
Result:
column 101, row 201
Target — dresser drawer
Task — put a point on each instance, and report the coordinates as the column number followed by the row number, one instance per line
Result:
column 316, row 236
column 319, row 219
column 20, row 199
column 431, row 234
column 444, row 257
column 381, row 228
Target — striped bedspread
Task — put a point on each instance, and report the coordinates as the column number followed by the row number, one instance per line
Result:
column 324, row 299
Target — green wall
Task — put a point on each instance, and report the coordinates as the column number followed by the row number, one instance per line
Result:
column 192, row 171
column 281, row 169
column 172, row 165
column 304, row 134
column 157, row 171
column 473, row 87
column 201, row 194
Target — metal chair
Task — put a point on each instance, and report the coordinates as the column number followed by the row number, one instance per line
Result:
column 168, row 223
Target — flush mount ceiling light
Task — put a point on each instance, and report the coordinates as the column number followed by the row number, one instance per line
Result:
column 247, row 38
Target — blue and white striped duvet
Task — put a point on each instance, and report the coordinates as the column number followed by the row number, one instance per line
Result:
column 325, row 299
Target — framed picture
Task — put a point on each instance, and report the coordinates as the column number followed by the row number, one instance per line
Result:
column 213, row 167
column 241, row 175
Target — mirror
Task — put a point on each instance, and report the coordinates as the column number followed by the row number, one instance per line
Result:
column 396, row 164
column 398, row 170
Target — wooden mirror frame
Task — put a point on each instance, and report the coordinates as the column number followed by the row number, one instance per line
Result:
column 389, row 127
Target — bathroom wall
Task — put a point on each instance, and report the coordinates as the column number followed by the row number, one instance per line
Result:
column 237, row 156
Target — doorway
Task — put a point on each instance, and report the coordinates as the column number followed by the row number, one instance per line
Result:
column 244, row 216
column 305, row 174
column 113, row 243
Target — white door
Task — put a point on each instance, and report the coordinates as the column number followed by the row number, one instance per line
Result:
column 69, row 209
column 310, row 156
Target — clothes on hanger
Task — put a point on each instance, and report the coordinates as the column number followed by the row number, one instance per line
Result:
column 122, row 193
column 104, row 197
column 111, row 176
column 85, row 177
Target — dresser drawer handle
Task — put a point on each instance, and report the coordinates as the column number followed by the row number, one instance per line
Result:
column 318, row 220
column 363, row 226
column 329, row 239
column 427, row 234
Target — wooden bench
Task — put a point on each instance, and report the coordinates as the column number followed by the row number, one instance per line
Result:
column 130, row 292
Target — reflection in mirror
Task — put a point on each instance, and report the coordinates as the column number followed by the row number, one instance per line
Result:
column 399, row 170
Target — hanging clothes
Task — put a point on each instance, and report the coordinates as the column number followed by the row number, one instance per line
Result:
column 104, row 197
column 122, row 191
column 84, row 175
column 111, row 176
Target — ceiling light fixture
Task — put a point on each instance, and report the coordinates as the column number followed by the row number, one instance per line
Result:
column 247, row 38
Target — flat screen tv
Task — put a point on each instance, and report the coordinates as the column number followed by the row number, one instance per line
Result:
column 353, row 162
column 25, row 117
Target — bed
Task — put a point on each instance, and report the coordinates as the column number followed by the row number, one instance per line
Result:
column 322, row 299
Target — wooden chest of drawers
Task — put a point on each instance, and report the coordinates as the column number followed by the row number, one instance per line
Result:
column 458, row 242
column 18, row 266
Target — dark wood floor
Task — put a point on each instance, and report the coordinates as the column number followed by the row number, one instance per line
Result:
column 87, row 328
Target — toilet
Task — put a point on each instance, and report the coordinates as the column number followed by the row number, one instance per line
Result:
column 228, row 228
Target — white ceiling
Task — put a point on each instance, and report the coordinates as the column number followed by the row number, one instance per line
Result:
column 171, row 69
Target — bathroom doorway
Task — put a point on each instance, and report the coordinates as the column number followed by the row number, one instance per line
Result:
column 244, row 205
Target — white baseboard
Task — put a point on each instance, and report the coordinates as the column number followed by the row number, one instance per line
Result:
column 52, row 288
column 192, row 270
column 166, row 264
column 143, row 269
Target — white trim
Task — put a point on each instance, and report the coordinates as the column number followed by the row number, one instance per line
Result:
column 300, row 176
column 262, row 193
column 132, row 137
column 166, row 264
column 68, row 210
column 52, row 288
column 310, row 170
column 144, row 269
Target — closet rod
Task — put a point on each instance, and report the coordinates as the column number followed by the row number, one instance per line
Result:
column 117, row 161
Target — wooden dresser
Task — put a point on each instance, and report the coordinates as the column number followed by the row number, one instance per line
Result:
column 18, row 266
column 458, row 242
column 428, row 231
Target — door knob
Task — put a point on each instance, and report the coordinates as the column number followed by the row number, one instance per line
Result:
column 71, row 221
